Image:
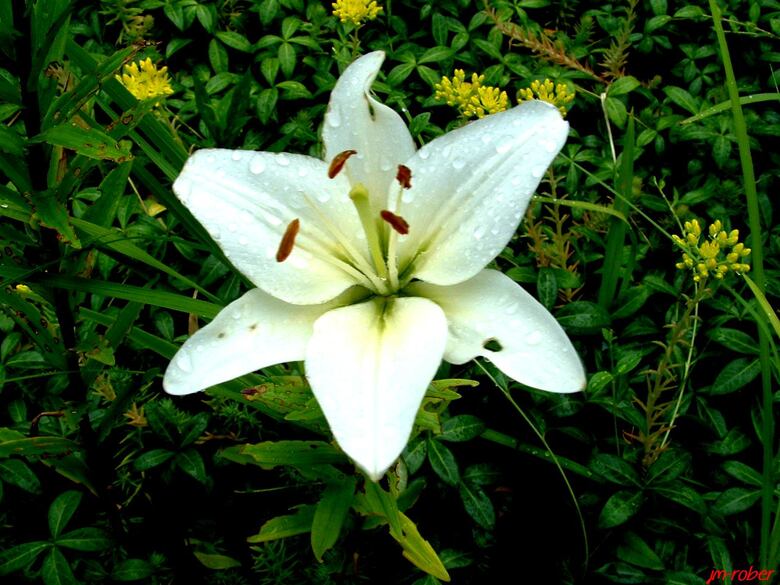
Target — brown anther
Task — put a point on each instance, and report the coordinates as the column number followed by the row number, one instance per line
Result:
column 338, row 162
column 396, row 222
column 288, row 241
column 404, row 176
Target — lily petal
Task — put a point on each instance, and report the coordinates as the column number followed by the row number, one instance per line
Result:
column 492, row 307
column 252, row 332
column 470, row 188
column 356, row 121
column 246, row 200
column 369, row 366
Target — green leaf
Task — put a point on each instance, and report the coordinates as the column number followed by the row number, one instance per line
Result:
column 463, row 427
column 85, row 539
column 743, row 473
column 634, row 550
column 735, row 375
column 414, row 454
column 382, row 504
column 583, row 317
column 682, row 494
column 52, row 214
column 614, row 469
column 735, row 500
column 56, row 570
column 14, row 443
column 620, row 508
column 598, row 382
column 191, row 463
column 330, row 515
column 132, row 570
column 19, row 557
column 682, row 98
column 284, row 526
column 18, row 473
column 623, row 85
column 616, row 110
column 62, row 510
column 477, row 504
column 152, row 459
column 215, row 561
column 89, row 142
column 271, row 454
column 435, row 55
column 235, row 41
column 734, row 339
column 443, row 462
column 668, row 466
column 547, row 287
column 631, row 301
column 418, row 550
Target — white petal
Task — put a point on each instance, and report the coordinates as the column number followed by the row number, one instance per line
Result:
column 534, row 348
column 252, row 332
column 369, row 366
column 247, row 199
column 470, row 189
column 356, row 121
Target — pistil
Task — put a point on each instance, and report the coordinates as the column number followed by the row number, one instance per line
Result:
column 360, row 198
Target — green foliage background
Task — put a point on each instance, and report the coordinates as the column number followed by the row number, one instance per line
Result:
column 664, row 469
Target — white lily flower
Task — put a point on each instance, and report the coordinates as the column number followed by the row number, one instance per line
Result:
column 370, row 266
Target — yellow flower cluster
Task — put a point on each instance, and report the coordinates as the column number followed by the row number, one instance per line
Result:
column 356, row 11
column 557, row 95
column 710, row 257
column 146, row 82
column 471, row 97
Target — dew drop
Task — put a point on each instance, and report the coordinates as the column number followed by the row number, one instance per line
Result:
column 334, row 118
column 549, row 145
column 537, row 172
column 237, row 315
column 282, row 160
column 534, row 338
column 215, row 234
column 504, row 145
column 486, row 138
column 385, row 164
column 302, row 172
column 243, row 240
column 458, row 164
column 479, row 232
column 257, row 165
column 236, row 155
column 232, row 227
column 424, row 153
column 184, row 363
column 323, row 197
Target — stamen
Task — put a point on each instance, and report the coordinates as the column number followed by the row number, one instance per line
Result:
column 396, row 222
column 404, row 176
column 288, row 241
column 338, row 162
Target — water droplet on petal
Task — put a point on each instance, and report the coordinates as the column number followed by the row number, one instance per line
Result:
column 535, row 338
column 282, row 160
column 504, row 145
column 424, row 153
column 243, row 240
column 302, row 172
column 385, row 164
column 184, row 363
column 486, row 138
column 334, row 118
column 537, row 172
column 458, row 164
column 237, row 155
column 257, row 165
column 215, row 234
column 479, row 232
column 323, row 197
column 232, row 227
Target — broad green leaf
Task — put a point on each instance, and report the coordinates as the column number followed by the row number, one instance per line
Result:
column 620, row 508
column 616, row 110
column 132, row 570
column 462, row 427
column 547, row 287
column 477, row 504
column 622, row 86
column 734, row 339
column 443, row 462
column 62, row 510
column 17, row 472
column 56, row 570
column 89, row 142
column 598, row 382
column 636, row 551
column 383, row 504
column 271, row 454
column 85, row 539
column 418, row 550
column 735, row 500
column 671, row 464
column 52, row 214
column 583, row 317
column 235, row 41
column 284, row 526
column 614, row 469
column 414, row 454
column 18, row 557
column 683, row 495
column 191, row 463
column 215, row 561
column 152, row 459
column 735, row 375
column 682, row 98
column 743, row 473
column 330, row 515
column 14, row 443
